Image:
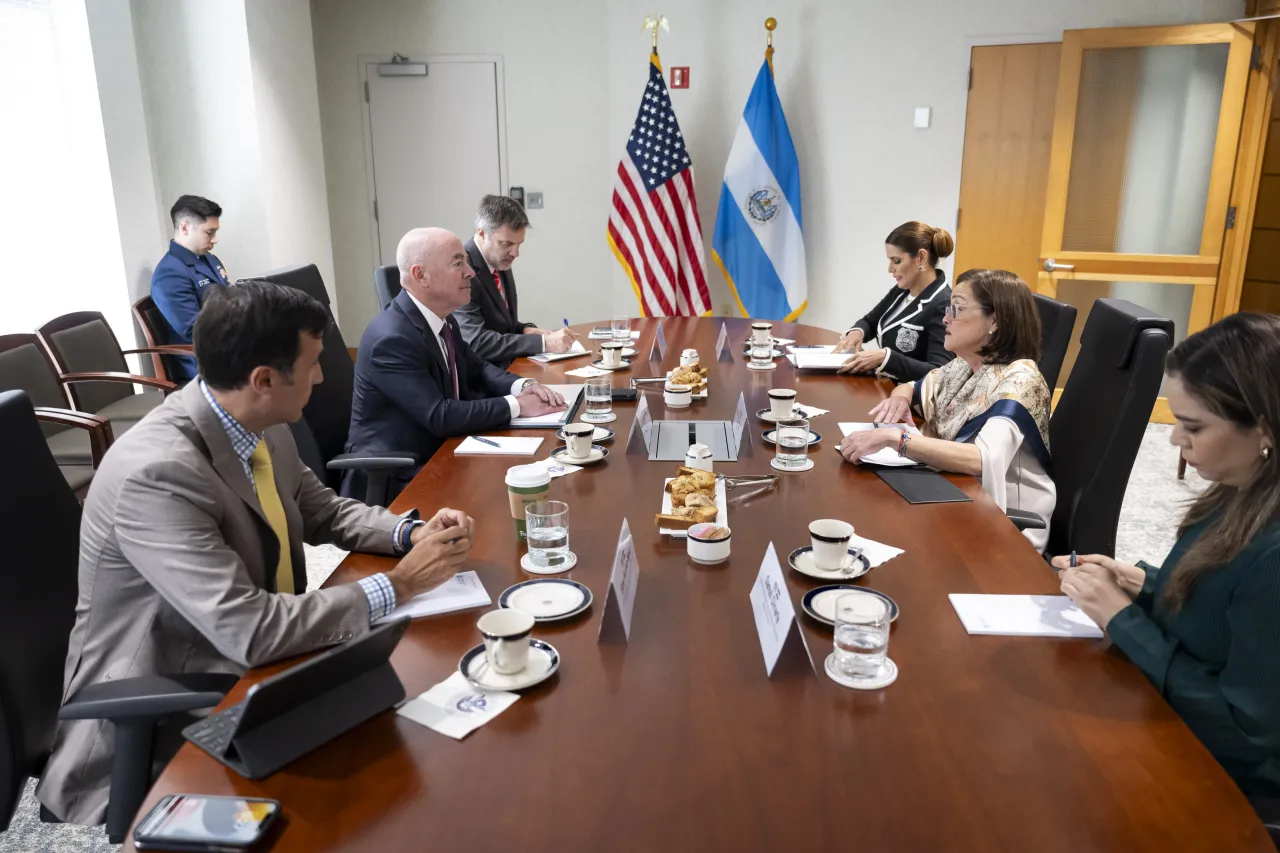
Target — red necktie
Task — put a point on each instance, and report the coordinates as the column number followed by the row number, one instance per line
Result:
column 447, row 333
column 497, row 280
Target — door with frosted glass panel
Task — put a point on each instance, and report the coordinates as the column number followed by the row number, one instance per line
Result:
column 1146, row 125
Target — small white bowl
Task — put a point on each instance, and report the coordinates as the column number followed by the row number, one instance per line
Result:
column 708, row 551
column 677, row 396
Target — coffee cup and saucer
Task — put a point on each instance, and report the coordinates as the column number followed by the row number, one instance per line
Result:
column 828, row 554
column 578, row 449
column 611, row 357
column 510, row 658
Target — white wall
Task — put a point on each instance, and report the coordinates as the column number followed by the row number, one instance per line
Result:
column 849, row 73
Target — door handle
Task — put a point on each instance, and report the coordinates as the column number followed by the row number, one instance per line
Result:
column 1051, row 266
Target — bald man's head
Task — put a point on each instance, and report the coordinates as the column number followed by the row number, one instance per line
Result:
column 434, row 269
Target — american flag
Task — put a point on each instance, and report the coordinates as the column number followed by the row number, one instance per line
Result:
column 653, row 226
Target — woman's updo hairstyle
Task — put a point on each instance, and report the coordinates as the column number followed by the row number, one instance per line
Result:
column 911, row 237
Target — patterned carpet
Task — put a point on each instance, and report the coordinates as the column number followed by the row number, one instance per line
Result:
column 1153, row 504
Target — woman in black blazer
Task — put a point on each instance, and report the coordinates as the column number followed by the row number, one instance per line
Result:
column 907, row 323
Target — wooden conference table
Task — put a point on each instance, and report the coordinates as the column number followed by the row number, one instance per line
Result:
column 678, row 740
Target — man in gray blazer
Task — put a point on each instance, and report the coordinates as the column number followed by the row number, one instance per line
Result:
column 490, row 323
column 191, row 556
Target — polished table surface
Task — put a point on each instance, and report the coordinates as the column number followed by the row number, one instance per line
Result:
column 679, row 741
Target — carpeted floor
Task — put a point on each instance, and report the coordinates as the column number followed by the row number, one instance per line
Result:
column 1153, row 504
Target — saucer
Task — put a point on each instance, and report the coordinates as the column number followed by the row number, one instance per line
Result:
column 807, row 466
column 777, row 353
column 600, row 364
column 547, row 599
column 801, row 559
column 628, row 352
column 528, row 566
column 887, row 675
column 814, row 437
column 589, row 418
column 768, row 417
column 561, row 454
column 769, row 366
column 820, row 603
column 601, row 434
column 544, row 660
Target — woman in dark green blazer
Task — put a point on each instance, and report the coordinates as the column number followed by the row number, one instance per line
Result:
column 1205, row 626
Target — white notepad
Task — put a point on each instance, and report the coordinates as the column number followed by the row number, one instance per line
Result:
column 1023, row 615
column 554, row 419
column 886, row 455
column 460, row 592
column 574, row 351
column 810, row 360
column 507, row 446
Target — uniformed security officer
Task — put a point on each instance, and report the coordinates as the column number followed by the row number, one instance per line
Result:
column 182, row 279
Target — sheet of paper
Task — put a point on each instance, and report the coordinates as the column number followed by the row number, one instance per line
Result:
column 454, row 707
column 574, row 351
column 722, row 509
column 553, row 419
column 605, row 335
column 587, row 372
column 1023, row 615
column 810, row 360
column 771, row 605
column 812, row 348
column 460, row 592
column 884, row 456
column 507, row 446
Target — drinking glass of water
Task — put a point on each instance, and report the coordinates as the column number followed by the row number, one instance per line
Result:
column 598, row 391
column 861, row 635
column 791, row 437
column 547, row 530
column 621, row 328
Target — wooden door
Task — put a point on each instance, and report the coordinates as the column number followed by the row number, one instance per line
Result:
column 1146, row 126
column 1008, row 133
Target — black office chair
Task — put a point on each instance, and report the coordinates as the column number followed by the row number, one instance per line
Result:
column 321, row 435
column 1268, row 810
column 386, row 283
column 1057, row 321
column 1097, row 427
column 39, row 584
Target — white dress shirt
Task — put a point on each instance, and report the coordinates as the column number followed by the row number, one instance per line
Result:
column 437, row 323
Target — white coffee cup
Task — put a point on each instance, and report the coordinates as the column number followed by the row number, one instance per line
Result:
column 760, row 334
column 698, row 456
column 688, row 357
column 677, row 396
column 577, row 438
column 506, row 639
column 830, row 540
column 611, row 354
column 782, row 402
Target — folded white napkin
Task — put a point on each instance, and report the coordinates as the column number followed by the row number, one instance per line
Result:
column 877, row 553
column 811, row 411
column 556, row 468
column 586, row 372
column 454, row 707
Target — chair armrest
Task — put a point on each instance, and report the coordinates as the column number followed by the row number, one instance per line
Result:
column 99, row 428
column 147, row 696
column 167, row 349
column 1025, row 520
column 114, row 376
column 379, row 461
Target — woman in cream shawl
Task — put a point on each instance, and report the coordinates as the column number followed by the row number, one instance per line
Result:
column 986, row 413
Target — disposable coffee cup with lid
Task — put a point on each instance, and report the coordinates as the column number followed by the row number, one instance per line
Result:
column 526, row 484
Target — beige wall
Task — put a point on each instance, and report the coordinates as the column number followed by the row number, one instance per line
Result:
column 849, row 73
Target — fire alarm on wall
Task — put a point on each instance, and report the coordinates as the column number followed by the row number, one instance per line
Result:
column 680, row 77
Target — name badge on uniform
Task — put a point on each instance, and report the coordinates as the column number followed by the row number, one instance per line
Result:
column 907, row 339
column 204, row 282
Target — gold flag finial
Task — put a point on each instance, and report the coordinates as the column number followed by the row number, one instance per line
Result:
column 651, row 23
column 770, row 24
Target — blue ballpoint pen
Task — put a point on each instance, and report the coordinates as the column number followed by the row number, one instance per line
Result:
column 488, row 441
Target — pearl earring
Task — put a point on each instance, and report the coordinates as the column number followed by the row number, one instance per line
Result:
column 1266, row 454
column 922, row 268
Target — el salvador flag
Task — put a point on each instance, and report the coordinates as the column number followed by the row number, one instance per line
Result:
column 759, row 241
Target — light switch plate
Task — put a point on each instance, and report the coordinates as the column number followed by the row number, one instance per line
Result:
column 534, row 200
column 923, row 115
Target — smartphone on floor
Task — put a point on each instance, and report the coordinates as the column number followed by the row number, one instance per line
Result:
column 205, row 824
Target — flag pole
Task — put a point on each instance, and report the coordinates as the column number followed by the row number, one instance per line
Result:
column 770, row 24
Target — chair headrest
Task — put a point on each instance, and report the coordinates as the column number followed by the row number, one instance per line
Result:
column 1113, row 328
column 304, row 277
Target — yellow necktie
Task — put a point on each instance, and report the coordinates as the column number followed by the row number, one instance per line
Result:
column 264, row 481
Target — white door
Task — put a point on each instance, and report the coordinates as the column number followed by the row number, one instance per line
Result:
column 435, row 148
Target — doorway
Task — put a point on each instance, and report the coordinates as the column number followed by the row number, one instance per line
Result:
column 434, row 145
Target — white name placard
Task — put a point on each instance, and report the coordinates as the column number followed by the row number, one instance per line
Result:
column 781, row 640
column 659, row 350
column 615, row 626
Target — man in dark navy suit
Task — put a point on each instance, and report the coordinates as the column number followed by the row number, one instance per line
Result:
column 491, row 322
column 417, row 382
column 184, row 276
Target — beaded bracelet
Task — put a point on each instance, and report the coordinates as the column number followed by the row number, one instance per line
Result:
column 902, row 443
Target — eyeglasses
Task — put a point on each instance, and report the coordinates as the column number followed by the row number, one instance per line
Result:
column 952, row 311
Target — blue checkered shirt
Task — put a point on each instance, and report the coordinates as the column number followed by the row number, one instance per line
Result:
column 377, row 588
